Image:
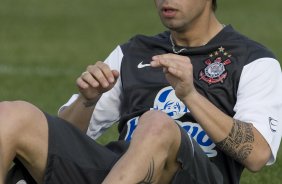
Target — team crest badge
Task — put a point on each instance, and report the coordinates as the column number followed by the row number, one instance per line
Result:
column 215, row 71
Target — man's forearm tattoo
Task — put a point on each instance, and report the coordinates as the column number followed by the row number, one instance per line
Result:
column 149, row 176
column 239, row 143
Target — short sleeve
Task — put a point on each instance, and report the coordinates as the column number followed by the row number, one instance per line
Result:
column 259, row 100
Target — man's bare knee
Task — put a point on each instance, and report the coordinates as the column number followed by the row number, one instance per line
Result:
column 20, row 120
column 156, row 129
column 158, row 133
column 156, row 123
column 17, row 115
column 24, row 132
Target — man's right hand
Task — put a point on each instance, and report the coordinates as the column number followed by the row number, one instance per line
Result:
column 92, row 83
column 96, row 80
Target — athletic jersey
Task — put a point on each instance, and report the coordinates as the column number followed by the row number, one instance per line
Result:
column 239, row 76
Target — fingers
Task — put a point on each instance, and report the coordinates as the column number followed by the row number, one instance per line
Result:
column 172, row 63
column 98, row 75
column 169, row 60
column 86, row 80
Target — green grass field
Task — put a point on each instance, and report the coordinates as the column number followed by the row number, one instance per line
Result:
column 45, row 45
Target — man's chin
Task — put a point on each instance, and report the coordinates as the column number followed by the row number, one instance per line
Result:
column 173, row 26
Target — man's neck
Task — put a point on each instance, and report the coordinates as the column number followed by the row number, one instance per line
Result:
column 198, row 34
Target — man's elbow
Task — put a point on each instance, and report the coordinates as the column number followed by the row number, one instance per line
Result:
column 258, row 161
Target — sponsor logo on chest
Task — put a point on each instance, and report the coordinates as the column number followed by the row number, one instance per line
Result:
column 167, row 102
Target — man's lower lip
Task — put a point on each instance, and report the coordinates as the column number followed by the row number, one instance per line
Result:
column 168, row 13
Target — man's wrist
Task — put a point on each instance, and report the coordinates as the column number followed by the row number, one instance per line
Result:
column 89, row 102
column 190, row 97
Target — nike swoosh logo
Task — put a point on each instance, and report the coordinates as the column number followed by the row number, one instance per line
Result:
column 141, row 65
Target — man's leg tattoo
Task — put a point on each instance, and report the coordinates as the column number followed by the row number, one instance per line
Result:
column 149, row 176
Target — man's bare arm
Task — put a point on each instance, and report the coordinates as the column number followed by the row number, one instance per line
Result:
column 239, row 143
column 238, row 139
column 79, row 112
column 92, row 83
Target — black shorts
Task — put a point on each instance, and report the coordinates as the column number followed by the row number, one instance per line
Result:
column 74, row 158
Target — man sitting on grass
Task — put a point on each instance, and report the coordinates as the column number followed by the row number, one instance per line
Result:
column 195, row 104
